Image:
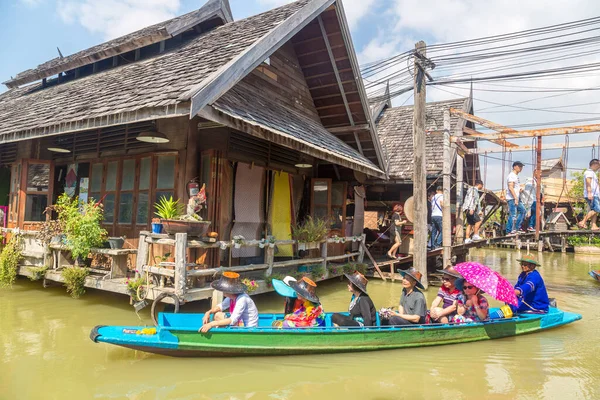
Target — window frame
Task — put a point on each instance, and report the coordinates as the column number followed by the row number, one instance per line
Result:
column 24, row 192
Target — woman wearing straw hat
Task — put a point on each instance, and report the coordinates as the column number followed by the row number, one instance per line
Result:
column 531, row 289
column 237, row 302
column 310, row 314
column 362, row 311
column 395, row 228
column 444, row 307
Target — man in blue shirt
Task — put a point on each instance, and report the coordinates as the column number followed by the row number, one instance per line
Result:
column 530, row 289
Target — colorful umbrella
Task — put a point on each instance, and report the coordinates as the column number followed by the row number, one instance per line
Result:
column 489, row 281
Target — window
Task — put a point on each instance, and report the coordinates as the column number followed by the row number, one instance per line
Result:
column 329, row 201
column 36, row 191
column 129, row 187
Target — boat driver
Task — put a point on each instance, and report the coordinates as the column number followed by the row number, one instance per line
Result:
column 530, row 289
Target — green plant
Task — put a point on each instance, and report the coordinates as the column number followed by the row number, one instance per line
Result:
column 310, row 230
column 351, row 267
column 75, row 280
column 81, row 223
column 133, row 286
column 169, row 208
column 317, row 272
column 37, row 273
column 580, row 240
column 50, row 228
column 575, row 194
column 9, row 261
column 269, row 279
column 251, row 284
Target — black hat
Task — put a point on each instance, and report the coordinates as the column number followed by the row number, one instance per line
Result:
column 449, row 270
column 229, row 283
column 305, row 288
column 358, row 280
column 519, row 163
column 413, row 273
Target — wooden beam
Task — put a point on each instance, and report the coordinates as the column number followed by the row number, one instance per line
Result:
column 220, row 81
column 480, row 121
column 567, row 130
column 505, row 143
column 446, row 182
column 348, row 129
column 339, row 81
column 549, row 146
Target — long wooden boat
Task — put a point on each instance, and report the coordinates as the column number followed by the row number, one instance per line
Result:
column 595, row 275
column 177, row 335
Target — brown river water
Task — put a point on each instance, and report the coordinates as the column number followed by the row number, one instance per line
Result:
column 46, row 353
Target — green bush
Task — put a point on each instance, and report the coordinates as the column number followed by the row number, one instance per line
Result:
column 310, row 230
column 74, row 280
column 580, row 240
column 37, row 273
column 81, row 223
column 9, row 261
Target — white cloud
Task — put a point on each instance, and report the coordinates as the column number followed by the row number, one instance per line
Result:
column 355, row 9
column 113, row 18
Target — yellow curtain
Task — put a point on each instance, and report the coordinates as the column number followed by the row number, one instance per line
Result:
column 281, row 212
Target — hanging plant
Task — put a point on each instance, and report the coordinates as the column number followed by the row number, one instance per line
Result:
column 251, row 284
column 9, row 260
column 37, row 273
column 75, row 280
column 311, row 230
column 238, row 241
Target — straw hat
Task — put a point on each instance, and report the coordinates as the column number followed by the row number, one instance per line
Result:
column 529, row 260
column 358, row 280
column 413, row 273
column 229, row 283
column 409, row 209
column 305, row 288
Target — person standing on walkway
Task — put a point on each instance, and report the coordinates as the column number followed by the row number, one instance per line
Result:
column 437, row 202
column 472, row 208
column 395, row 230
column 516, row 210
column 533, row 208
column 591, row 193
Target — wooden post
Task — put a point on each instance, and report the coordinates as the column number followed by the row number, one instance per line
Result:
column 269, row 258
column 361, row 249
column 324, row 255
column 368, row 253
column 142, row 253
column 446, row 218
column 538, row 192
column 563, row 244
column 180, row 262
column 419, row 167
column 459, row 237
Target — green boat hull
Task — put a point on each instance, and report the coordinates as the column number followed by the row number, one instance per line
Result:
column 186, row 341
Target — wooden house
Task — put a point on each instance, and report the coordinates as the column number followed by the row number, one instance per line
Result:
column 269, row 112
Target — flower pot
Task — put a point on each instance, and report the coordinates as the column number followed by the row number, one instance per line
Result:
column 237, row 245
column 261, row 245
column 116, row 242
column 308, row 245
column 157, row 227
column 192, row 228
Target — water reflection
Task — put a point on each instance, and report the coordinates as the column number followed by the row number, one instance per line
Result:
column 44, row 338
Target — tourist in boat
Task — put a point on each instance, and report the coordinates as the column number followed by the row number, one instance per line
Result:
column 516, row 210
column 310, row 313
column 282, row 287
column 472, row 209
column 473, row 306
column 395, row 230
column 243, row 311
column 530, row 289
column 362, row 311
column 437, row 202
column 412, row 308
column 445, row 305
column 591, row 193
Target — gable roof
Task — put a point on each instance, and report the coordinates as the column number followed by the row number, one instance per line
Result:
column 550, row 163
column 213, row 9
column 143, row 90
column 395, row 129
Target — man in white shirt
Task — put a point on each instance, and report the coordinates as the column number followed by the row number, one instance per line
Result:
column 437, row 202
column 243, row 311
column 591, row 193
column 516, row 210
column 472, row 209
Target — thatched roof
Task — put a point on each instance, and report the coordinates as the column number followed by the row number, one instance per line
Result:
column 146, row 89
column 395, row 130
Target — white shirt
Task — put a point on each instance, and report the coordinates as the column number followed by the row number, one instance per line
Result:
column 244, row 309
column 436, row 205
column 595, row 191
column 514, row 178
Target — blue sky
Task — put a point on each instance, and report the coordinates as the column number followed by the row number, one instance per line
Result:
column 380, row 28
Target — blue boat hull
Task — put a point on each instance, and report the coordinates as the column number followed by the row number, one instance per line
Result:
column 177, row 335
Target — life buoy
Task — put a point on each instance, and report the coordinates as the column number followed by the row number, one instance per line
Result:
column 157, row 300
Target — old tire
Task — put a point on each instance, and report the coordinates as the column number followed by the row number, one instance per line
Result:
column 157, row 300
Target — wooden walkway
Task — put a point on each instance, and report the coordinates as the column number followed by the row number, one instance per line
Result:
column 550, row 240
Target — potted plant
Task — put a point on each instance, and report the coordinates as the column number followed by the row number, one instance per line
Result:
column 310, row 233
column 268, row 241
column 81, row 223
column 116, row 242
column 175, row 220
column 156, row 225
column 238, row 241
column 251, row 284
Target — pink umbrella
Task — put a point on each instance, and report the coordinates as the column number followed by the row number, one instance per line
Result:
column 489, row 281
